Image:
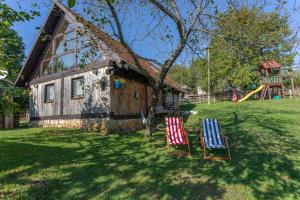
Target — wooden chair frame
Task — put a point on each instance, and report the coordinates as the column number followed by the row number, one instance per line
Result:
column 203, row 146
column 185, row 133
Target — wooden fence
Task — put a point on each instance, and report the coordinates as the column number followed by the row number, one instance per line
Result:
column 218, row 97
column 204, row 98
column 2, row 122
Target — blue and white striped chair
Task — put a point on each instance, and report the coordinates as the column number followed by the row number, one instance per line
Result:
column 213, row 138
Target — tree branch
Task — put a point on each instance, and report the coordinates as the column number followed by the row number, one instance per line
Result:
column 178, row 22
column 130, row 51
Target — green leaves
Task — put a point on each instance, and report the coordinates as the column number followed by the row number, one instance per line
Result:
column 71, row 3
column 12, row 56
column 245, row 38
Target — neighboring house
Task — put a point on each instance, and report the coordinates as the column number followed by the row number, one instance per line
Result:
column 200, row 91
column 79, row 77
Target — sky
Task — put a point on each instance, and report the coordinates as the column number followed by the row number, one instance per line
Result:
column 29, row 33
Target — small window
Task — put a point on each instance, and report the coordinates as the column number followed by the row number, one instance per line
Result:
column 49, row 93
column 77, row 88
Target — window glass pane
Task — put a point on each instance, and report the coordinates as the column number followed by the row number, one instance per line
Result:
column 63, row 62
column 70, row 35
column 64, row 45
column 51, row 92
column 84, row 57
column 49, row 96
column 69, row 45
column 59, row 45
column 88, row 55
column 97, row 55
column 83, row 41
column 78, row 87
column 68, row 27
column 47, row 67
column 58, row 65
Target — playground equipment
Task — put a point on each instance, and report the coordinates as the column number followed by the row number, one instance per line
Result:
column 251, row 93
column 274, row 82
column 274, row 77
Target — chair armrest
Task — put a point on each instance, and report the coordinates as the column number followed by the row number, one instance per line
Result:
column 166, row 136
column 225, row 137
column 225, row 140
column 201, row 141
column 186, row 133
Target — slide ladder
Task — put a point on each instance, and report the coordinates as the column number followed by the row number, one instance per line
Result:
column 264, row 93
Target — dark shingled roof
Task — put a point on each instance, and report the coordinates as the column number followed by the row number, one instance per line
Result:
column 113, row 44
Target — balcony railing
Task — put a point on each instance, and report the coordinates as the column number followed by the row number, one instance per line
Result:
column 272, row 79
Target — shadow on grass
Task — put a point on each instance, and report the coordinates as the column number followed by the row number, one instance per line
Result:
column 73, row 164
column 126, row 166
column 264, row 152
column 187, row 107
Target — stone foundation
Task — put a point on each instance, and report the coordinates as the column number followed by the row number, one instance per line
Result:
column 105, row 126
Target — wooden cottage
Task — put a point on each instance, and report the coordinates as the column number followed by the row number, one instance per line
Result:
column 80, row 77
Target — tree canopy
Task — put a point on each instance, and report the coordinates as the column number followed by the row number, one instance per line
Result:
column 242, row 39
column 11, row 58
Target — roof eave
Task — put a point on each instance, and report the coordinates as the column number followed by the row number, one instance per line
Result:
column 19, row 81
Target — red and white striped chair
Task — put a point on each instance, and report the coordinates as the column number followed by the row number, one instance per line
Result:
column 175, row 133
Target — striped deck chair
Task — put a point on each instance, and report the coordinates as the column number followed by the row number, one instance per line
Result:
column 175, row 133
column 213, row 138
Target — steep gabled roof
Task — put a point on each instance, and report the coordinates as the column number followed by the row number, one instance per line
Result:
column 114, row 45
column 37, row 50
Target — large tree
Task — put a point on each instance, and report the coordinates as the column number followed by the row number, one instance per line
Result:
column 243, row 38
column 171, row 27
column 170, row 24
column 12, row 54
column 11, row 57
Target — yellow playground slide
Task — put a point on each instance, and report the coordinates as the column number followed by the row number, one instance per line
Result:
column 251, row 93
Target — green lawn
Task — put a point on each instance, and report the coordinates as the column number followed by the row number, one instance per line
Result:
column 45, row 164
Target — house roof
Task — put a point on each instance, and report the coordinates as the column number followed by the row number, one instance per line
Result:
column 113, row 44
column 37, row 50
column 269, row 64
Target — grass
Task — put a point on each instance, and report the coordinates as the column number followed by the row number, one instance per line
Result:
column 44, row 164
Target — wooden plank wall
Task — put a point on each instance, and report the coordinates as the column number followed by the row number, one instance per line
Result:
column 96, row 100
column 123, row 101
column 38, row 108
column 176, row 101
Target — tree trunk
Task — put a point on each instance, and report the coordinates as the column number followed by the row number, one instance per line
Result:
column 150, row 124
